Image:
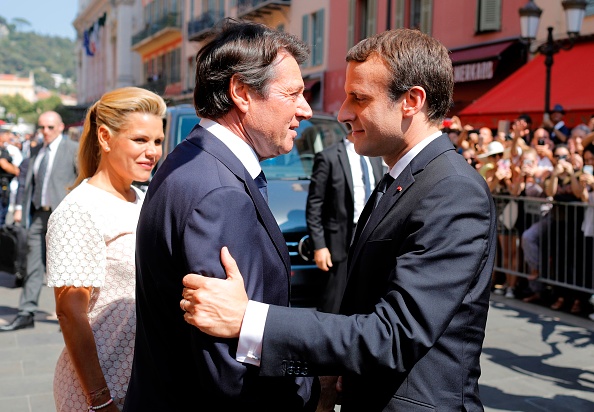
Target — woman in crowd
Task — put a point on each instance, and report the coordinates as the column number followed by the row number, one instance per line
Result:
column 91, row 246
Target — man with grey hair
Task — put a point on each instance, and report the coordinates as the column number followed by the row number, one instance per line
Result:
column 211, row 192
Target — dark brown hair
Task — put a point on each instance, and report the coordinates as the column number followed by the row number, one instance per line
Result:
column 414, row 59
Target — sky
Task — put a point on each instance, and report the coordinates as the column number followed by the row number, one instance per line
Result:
column 53, row 17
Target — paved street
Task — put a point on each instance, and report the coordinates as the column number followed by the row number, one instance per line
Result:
column 534, row 359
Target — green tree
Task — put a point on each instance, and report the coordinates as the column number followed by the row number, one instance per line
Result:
column 21, row 23
column 16, row 106
column 23, row 52
column 44, row 79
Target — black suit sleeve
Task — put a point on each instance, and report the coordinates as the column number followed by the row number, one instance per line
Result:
column 20, row 194
column 422, row 270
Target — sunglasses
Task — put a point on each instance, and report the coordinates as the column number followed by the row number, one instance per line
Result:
column 46, row 127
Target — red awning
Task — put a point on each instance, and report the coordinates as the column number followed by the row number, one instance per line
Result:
column 523, row 91
column 474, row 54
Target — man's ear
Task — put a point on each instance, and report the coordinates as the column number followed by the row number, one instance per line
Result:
column 413, row 101
column 239, row 93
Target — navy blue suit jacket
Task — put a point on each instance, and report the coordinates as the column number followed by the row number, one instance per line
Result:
column 201, row 199
column 417, row 296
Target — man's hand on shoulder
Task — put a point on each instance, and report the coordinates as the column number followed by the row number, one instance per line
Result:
column 216, row 306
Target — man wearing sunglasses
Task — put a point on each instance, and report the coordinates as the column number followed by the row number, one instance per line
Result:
column 51, row 169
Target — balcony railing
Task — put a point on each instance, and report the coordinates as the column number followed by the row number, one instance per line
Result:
column 202, row 24
column 258, row 8
column 170, row 20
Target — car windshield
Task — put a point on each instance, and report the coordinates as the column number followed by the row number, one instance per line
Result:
column 313, row 136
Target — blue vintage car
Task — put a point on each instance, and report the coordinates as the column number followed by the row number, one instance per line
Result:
column 288, row 183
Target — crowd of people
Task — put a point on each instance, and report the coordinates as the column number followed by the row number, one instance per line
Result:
column 542, row 180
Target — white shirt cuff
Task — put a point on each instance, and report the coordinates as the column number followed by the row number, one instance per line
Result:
column 249, row 347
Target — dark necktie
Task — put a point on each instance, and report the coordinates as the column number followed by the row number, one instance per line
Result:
column 39, row 178
column 382, row 187
column 262, row 185
column 366, row 182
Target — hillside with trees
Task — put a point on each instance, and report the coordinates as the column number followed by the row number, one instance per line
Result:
column 23, row 52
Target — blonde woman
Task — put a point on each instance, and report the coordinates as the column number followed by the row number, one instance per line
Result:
column 91, row 246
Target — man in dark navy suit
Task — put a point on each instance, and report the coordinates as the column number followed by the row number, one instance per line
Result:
column 210, row 192
column 412, row 320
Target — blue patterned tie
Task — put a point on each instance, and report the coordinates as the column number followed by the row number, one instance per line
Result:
column 262, row 185
column 366, row 182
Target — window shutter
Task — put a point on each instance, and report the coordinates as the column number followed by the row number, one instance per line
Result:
column 399, row 14
column 371, row 17
column 426, row 16
column 318, row 55
column 351, row 25
column 305, row 35
column 489, row 15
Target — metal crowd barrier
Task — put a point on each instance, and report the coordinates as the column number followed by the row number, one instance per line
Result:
column 555, row 248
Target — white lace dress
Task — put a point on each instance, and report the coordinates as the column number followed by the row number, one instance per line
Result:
column 91, row 241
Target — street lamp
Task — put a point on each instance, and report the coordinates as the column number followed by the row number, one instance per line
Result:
column 529, row 19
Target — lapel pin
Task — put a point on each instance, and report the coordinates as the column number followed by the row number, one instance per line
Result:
column 399, row 188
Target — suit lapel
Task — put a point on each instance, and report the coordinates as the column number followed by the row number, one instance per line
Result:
column 59, row 159
column 370, row 217
column 211, row 144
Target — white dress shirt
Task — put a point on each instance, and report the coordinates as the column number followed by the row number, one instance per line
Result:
column 244, row 152
column 255, row 311
column 357, row 174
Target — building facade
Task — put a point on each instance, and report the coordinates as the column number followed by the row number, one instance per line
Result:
column 11, row 85
column 158, row 47
column 104, row 55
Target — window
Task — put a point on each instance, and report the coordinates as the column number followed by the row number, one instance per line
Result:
column 590, row 8
column 362, row 20
column 421, row 12
column 175, row 66
column 313, row 35
column 317, row 52
column 216, row 8
column 489, row 16
column 399, row 14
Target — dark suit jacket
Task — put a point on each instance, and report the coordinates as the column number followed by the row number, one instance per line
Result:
column 417, row 293
column 201, row 199
column 330, row 203
column 62, row 176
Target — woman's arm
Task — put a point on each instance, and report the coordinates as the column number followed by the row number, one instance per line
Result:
column 71, row 308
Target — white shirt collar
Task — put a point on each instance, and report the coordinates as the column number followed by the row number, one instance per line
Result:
column 56, row 142
column 243, row 151
column 411, row 154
